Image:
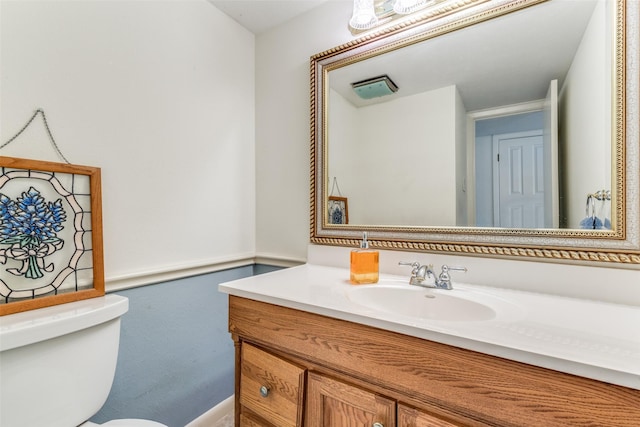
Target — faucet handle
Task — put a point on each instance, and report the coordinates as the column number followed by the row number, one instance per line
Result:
column 414, row 264
column 446, row 268
column 445, row 278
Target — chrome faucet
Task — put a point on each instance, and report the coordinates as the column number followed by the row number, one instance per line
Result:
column 420, row 274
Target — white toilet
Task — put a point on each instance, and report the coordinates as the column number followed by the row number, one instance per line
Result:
column 57, row 364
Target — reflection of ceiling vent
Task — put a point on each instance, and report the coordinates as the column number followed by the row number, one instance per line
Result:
column 375, row 87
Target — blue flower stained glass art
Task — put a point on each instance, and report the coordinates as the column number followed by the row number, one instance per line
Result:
column 29, row 225
column 50, row 234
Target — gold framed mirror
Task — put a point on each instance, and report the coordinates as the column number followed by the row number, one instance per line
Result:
column 469, row 155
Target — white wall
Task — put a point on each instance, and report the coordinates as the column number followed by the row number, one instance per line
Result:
column 587, row 161
column 147, row 91
column 282, row 125
column 415, row 147
column 461, row 161
column 342, row 115
column 153, row 93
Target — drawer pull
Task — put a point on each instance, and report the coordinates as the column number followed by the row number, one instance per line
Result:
column 264, row 391
column 377, row 425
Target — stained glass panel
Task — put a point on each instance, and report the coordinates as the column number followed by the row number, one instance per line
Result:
column 50, row 234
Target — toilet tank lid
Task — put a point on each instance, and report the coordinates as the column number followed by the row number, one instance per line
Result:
column 27, row 327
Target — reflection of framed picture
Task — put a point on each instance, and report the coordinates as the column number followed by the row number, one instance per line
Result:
column 338, row 211
column 50, row 234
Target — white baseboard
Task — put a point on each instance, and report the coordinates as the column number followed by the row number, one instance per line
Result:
column 215, row 415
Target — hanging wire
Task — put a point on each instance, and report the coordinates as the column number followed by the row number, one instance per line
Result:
column 46, row 125
column 333, row 187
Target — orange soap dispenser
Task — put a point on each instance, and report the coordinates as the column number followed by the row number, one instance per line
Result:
column 364, row 264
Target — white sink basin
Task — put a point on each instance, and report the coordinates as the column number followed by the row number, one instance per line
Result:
column 424, row 303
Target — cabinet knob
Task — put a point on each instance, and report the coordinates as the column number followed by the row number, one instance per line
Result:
column 264, row 392
column 377, row 425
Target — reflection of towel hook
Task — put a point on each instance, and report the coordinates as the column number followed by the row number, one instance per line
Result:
column 601, row 195
column 596, row 214
column 590, row 208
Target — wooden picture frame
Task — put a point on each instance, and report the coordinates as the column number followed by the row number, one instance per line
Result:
column 50, row 234
column 337, row 210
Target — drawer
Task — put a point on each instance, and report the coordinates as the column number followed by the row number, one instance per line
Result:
column 271, row 387
column 247, row 420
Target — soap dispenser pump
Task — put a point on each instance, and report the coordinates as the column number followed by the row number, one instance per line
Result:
column 364, row 264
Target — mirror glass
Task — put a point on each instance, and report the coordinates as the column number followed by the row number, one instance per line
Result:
column 502, row 128
column 506, row 123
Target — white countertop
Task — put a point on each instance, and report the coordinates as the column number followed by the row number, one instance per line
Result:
column 592, row 339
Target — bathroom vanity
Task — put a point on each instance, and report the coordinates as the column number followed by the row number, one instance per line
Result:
column 310, row 351
column 313, row 350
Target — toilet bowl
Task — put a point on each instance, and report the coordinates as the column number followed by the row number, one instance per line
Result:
column 57, row 364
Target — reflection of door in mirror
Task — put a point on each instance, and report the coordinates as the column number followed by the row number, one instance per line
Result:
column 507, row 165
column 518, row 178
column 519, row 193
column 516, row 165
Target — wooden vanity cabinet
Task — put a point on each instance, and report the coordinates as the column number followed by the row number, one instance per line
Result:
column 327, row 372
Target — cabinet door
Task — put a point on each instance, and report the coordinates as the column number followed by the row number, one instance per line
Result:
column 332, row 403
column 410, row 417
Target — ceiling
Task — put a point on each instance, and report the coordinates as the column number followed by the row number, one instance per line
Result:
column 552, row 34
column 259, row 16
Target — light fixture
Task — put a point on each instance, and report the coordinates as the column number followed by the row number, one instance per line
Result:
column 364, row 15
column 404, row 7
column 368, row 14
column 374, row 87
